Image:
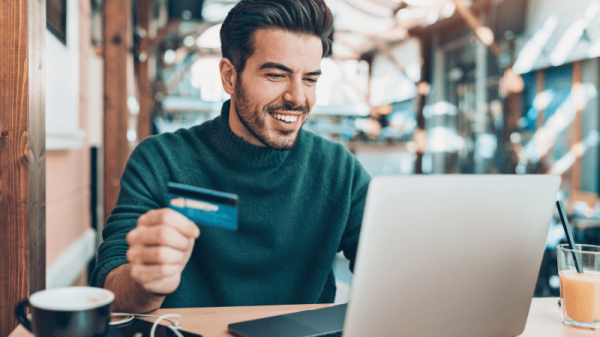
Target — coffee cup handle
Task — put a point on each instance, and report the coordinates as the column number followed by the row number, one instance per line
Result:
column 21, row 317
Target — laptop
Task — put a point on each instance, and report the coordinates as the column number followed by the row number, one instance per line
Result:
column 440, row 256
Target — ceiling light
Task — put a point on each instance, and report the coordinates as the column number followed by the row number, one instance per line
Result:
column 411, row 13
column 384, row 109
column 419, row 3
column 567, row 42
column 210, row 38
column 169, row 56
column 131, row 135
column 133, row 105
column 189, row 41
column 432, row 17
column 485, row 34
column 591, row 11
column 533, row 48
column 572, row 35
column 594, row 50
column 413, row 72
column 541, row 100
column 423, row 88
column 216, row 12
column 448, row 9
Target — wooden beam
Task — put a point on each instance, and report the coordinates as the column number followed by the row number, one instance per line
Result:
column 117, row 43
column 151, row 44
column 22, row 155
column 387, row 52
column 181, row 74
column 144, row 120
column 483, row 33
column 198, row 53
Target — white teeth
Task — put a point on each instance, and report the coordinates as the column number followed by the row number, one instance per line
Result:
column 286, row 118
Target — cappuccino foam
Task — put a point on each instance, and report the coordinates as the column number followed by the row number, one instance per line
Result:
column 71, row 298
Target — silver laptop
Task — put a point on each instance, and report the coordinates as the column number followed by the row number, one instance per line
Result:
column 443, row 256
column 449, row 255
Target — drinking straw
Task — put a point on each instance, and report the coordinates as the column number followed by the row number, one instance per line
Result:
column 569, row 234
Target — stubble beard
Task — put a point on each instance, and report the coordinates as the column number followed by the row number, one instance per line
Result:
column 255, row 121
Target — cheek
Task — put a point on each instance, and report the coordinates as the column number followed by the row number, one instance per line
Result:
column 265, row 93
column 311, row 96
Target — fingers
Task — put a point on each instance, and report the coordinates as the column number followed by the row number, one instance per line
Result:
column 155, row 255
column 159, row 248
column 167, row 216
column 145, row 274
column 163, row 286
column 158, row 236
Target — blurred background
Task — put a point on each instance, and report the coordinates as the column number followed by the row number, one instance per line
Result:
column 411, row 87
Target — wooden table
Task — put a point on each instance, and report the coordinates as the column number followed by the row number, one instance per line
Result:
column 544, row 319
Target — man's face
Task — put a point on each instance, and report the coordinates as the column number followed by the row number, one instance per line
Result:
column 276, row 91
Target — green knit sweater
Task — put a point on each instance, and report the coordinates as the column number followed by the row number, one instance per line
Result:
column 297, row 209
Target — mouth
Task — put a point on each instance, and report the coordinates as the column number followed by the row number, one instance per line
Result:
column 285, row 122
column 284, row 118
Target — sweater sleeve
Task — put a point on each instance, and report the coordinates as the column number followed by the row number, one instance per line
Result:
column 359, row 184
column 141, row 188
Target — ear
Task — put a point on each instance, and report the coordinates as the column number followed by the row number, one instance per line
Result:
column 228, row 75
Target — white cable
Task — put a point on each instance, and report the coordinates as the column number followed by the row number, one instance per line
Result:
column 175, row 324
column 127, row 319
column 174, row 328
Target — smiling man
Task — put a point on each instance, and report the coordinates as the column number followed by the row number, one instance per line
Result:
column 276, row 91
column 301, row 197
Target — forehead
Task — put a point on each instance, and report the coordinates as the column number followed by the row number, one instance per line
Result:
column 296, row 51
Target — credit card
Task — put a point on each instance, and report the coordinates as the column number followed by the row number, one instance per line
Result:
column 204, row 206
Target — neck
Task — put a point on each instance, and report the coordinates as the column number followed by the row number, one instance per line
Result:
column 239, row 128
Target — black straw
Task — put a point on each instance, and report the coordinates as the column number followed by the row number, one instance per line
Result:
column 569, row 234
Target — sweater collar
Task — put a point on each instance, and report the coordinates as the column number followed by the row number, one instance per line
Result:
column 238, row 150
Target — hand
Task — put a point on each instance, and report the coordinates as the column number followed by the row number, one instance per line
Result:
column 159, row 248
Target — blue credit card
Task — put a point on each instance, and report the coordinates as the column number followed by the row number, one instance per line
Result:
column 204, row 206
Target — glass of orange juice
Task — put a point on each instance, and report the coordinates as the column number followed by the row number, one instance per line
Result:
column 580, row 293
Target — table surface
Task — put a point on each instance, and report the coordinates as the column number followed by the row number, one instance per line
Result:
column 544, row 319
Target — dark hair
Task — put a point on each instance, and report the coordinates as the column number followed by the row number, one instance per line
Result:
column 311, row 17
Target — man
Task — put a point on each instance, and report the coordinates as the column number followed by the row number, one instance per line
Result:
column 301, row 198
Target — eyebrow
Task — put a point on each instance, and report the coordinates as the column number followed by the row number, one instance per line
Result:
column 275, row 65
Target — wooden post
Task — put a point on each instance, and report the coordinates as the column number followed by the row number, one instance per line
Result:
column 420, row 135
column 22, row 155
column 576, row 169
column 540, row 78
column 117, row 44
column 512, row 114
column 144, row 127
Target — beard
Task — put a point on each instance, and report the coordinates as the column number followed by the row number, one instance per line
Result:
column 256, row 121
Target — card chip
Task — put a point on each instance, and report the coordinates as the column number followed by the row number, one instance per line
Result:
column 204, row 206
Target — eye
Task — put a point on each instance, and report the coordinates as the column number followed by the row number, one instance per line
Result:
column 311, row 80
column 275, row 76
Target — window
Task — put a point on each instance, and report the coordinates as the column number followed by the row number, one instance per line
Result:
column 56, row 18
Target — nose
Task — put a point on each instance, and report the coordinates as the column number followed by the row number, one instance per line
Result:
column 294, row 94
